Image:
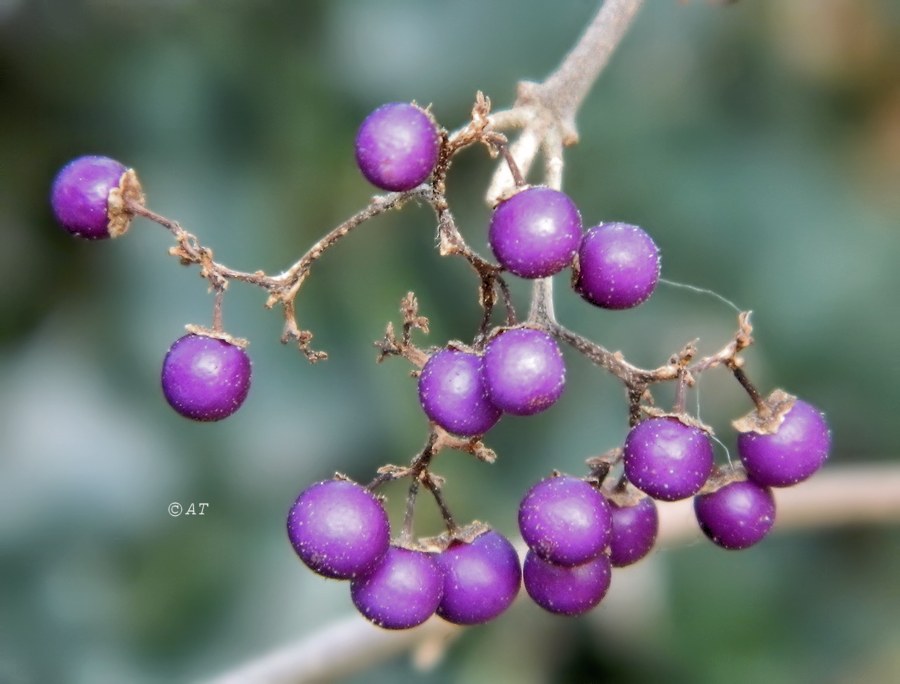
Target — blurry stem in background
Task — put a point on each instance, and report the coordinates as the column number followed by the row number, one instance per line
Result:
column 836, row 497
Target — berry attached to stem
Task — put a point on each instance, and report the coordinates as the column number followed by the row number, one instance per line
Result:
column 736, row 515
column 87, row 197
column 401, row 591
column 535, row 233
column 397, row 146
column 565, row 520
column 796, row 450
column 453, row 394
column 481, row 579
column 339, row 529
column 524, row 371
column 205, row 378
column 667, row 459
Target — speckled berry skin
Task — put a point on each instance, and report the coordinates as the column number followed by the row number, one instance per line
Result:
column 667, row 459
column 566, row 590
column 481, row 579
column 339, row 529
column 618, row 266
column 205, row 378
column 397, row 146
column 634, row 530
column 524, row 371
column 737, row 515
column 80, row 194
column 535, row 233
column 453, row 394
column 401, row 591
column 565, row 520
column 793, row 453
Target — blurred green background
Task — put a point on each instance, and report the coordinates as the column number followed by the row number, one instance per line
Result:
column 759, row 143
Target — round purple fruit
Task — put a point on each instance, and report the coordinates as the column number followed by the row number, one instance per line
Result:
column 524, row 371
column 535, row 233
column 736, row 515
column 617, row 266
column 796, row 450
column 339, row 529
column 481, row 579
column 571, row 590
column 634, row 530
column 401, row 591
column 397, row 146
column 565, row 520
column 80, row 197
column 205, row 378
column 453, row 394
column 667, row 459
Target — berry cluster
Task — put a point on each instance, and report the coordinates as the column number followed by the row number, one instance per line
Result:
column 576, row 528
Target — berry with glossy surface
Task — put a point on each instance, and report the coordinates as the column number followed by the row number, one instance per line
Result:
column 617, row 267
column 565, row 520
column 80, row 194
column 667, row 459
column 737, row 515
column 481, row 579
column 794, row 452
column 453, row 394
column 205, row 378
column 634, row 530
column 535, row 233
column 401, row 591
column 524, row 371
column 397, row 146
column 338, row 528
column 566, row 590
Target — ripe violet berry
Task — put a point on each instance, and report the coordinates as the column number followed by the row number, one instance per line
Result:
column 617, row 266
column 565, row 520
column 86, row 197
column 535, row 233
column 564, row 590
column 667, row 459
column 481, row 579
column 795, row 451
column 524, row 371
column 737, row 515
column 453, row 394
column 205, row 378
column 634, row 530
column 401, row 591
column 338, row 528
column 397, row 146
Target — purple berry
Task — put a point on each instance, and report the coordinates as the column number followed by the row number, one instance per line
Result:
column 402, row 591
column 794, row 452
column 535, row 232
column 667, row 459
column 565, row 520
column 205, row 378
column 481, row 579
column 453, row 394
column 524, row 371
column 80, row 196
column 566, row 590
column 634, row 529
column 338, row 528
column 736, row 515
column 397, row 146
column 617, row 267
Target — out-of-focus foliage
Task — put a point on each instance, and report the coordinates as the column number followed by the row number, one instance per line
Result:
column 759, row 143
